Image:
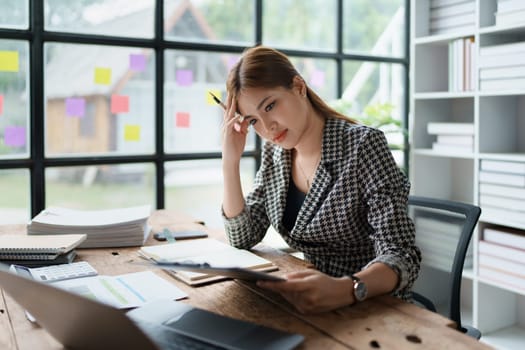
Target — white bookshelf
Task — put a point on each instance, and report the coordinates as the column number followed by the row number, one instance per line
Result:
column 499, row 134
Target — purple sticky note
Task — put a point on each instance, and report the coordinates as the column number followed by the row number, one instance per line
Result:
column 317, row 78
column 232, row 60
column 15, row 136
column 75, row 107
column 137, row 62
column 184, row 77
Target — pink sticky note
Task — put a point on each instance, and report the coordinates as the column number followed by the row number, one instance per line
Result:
column 182, row 120
column 317, row 78
column 137, row 62
column 184, row 77
column 119, row 104
column 15, row 136
column 1, row 104
column 75, row 107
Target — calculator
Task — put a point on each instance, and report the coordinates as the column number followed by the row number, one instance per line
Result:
column 53, row 273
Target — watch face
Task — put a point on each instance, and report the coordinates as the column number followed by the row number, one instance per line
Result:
column 360, row 291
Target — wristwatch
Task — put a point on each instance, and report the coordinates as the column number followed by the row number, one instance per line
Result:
column 360, row 289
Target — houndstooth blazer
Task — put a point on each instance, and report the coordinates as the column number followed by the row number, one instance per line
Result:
column 355, row 213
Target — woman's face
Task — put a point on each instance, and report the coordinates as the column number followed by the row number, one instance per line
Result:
column 278, row 115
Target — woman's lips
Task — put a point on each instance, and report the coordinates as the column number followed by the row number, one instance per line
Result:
column 280, row 136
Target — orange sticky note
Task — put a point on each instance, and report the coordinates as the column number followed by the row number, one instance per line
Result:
column 132, row 132
column 119, row 104
column 9, row 61
column 102, row 76
column 182, row 120
column 209, row 98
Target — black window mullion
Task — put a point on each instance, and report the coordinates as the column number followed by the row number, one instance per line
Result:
column 36, row 119
column 159, row 104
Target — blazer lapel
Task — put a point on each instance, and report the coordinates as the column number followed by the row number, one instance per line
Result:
column 282, row 167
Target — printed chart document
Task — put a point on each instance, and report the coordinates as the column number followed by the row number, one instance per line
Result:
column 123, row 291
column 204, row 251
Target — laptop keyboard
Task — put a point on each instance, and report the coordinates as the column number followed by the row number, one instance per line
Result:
column 167, row 339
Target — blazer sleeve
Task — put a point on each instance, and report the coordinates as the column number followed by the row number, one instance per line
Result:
column 249, row 227
column 386, row 191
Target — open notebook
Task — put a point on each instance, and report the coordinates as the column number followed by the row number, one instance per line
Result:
column 201, row 251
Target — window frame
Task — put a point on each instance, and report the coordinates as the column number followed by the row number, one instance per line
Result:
column 37, row 36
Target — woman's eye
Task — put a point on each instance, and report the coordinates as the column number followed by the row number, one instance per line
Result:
column 252, row 121
column 269, row 107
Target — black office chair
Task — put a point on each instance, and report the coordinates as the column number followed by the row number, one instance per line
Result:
column 443, row 232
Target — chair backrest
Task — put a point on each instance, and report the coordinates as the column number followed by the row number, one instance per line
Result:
column 443, row 232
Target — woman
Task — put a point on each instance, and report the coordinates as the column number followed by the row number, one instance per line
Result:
column 329, row 186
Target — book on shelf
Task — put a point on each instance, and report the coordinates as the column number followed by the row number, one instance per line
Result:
column 499, row 73
column 502, row 84
column 502, row 49
column 104, row 228
column 460, row 140
column 65, row 258
column 440, row 23
column 508, row 237
column 510, row 5
column 504, row 265
column 48, row 247
column 501, row 190
column 502, row 202
column 505, row 60
column 454, row 9
column 504, row 18
column 451, row 148
column 438, row 128
column 501, row 277
column 503, row 166
column 443, row 3
column 501, row 251
column 510, row 217
column 501, row 178
column 204, row 250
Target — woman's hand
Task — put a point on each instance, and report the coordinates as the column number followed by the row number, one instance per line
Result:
column 234, row 133
column 311, row 291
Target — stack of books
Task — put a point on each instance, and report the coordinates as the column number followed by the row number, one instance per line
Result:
column 502, row 256
column 437, row 235
column 452, row 137
column 121, row 227
column 39, row 251
column 448, row 16
column 502, row 67
column 510, row 12
column 502, row 190
column 461, row 65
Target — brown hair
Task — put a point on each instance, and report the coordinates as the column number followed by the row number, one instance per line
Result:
column 265, row 67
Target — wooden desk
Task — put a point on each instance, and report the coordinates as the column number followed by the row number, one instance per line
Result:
column 382, row 323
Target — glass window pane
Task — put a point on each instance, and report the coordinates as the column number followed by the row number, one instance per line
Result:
column 374, row 27
column 14, row 14
column 15, row 203
column 299, row 24
column 319, row 74
column 210, row 21
column 104, row 17
column 192, row 119
column 196, row 187
column 373, row 94
column 101, row 186
column 14, row 99
column 99, row 100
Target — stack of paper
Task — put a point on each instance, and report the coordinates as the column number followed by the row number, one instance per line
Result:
column 121, row 227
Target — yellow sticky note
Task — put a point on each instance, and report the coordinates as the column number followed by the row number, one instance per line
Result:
column 102, row 76
column 9, row 61
column 209, row 98
column 132, row 132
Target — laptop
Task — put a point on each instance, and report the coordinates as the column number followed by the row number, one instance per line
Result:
column 82, row 323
